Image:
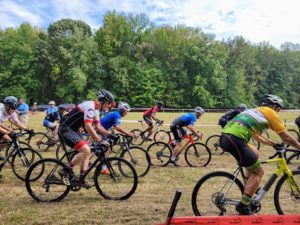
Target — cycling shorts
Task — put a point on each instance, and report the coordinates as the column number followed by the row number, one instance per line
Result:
column 178, row 132
column 240, row 150
column 148, row 120
column 72, row 138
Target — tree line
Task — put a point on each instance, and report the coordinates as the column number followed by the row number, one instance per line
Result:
column 141, row 63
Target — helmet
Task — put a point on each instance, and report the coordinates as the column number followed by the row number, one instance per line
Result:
column 51, row 103
column 160, row 103
column 124, row 106
column 272, row 100
column 198, row 109
column 242, row 106
column 11, row 101
column 105, row 96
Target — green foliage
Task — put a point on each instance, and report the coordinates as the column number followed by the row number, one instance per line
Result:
column 141, row 63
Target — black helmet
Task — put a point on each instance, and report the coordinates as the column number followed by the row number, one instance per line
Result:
column 272, row 100
column 11, row 101
column 160, row 103
column 105, row 96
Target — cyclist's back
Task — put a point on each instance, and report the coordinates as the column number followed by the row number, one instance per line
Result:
column 231, row 114
column 184, row 120
column 111, row 119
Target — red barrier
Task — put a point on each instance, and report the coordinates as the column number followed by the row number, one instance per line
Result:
column 237, row 220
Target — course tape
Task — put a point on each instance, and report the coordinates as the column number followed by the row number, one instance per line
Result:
column 238, row 220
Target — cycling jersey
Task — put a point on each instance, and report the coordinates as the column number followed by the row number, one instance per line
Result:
column 254, row 121
column 228, row 116
column 297, row 121
column 151, row 112
column 111, row 119
column 184, row 120
column 5, row 116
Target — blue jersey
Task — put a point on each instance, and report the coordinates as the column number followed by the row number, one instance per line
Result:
column 52, row 114
column 185, row 120
column 23, row 109
column 111, row 119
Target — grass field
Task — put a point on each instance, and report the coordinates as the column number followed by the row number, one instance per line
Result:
column 150, row 203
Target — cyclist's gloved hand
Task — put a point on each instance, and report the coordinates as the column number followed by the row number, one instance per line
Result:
column 12, row 135
column 30, row 131
column 278, row 146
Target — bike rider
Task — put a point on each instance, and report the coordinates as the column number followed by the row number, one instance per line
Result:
column 51, row 116
column 231, row 114
column 297, row 122
column 84, row 115
column 237, row 133
column 8, row 112
column 187, row 120
column 149, row 116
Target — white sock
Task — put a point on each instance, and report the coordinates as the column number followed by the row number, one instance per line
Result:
column 173, row 158
column 104, row 167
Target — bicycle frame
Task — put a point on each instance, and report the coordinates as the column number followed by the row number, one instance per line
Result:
column 186, row 144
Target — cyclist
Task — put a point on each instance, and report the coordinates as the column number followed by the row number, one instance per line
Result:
column 237, row 133
column 83, row 116
column 149, row 116
column 297, row 122
column 8, row 112
column 61, row 111
column 187, row 120
column 52, row 115
column 231, row 114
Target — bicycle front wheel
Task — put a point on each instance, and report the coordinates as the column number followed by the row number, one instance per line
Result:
column 44, row 182
column 294, row 133
column 39, row 141
column 120, row 183
column 197, row 155
column 139, row 140
column 163, row 136
column 160, row 153
column 212, row 143
column 216, row 193
column 22, row 160
column 287, row 194
column 139, row 158
column 294, row 161
column 10, row 149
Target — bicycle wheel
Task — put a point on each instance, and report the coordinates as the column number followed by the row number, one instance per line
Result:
column 162, row 135
column 44, row 183
column 294, row 133
column 286, row 200
column 160, row 153
column 139, row 140
column 10, row 148
column 60, row 152
column 213, row 144
column 216, row 192
column 139, row 158
column 120, row 184
column 197, row 155
column 40, row 141
column 254, row 142
column 22, row 160
column 294, row 161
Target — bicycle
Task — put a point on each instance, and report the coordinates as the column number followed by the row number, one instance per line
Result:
column 221, row 191
column 44, row 181
column 20, row 158
column 195, row 154
column 159, row 134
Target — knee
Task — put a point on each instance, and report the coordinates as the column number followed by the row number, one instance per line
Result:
column 86, row 151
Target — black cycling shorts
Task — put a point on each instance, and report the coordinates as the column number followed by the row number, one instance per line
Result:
column 72, row 138
column 178, row 132
column 148, row 120
column 297, row 122
column 240, row 150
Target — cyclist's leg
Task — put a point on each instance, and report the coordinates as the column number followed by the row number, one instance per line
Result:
column 149, row 122
column 178, row 132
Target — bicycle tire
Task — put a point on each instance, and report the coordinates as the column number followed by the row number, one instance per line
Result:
column 11, row 148
column 139, row 140
column 197, row 155
column 59, row 153
column 120, row 171
column 213, row 144
column 160, row 153
column 139, row 158
column 294, row 133
column 294, row 161
column 37, row 183
column 162, row 135
column 39, row 141
column 27, row 157
column 207, row 184
column 282, row 193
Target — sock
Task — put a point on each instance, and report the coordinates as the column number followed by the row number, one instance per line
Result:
column 245, row 201
column 104, row 167
column 173, row 158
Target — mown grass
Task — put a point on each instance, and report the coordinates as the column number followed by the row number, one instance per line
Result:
column 150, row 203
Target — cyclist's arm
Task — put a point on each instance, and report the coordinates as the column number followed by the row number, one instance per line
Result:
column 192, row 129
column 101, row 129
column 4, row 129
column 120, row 129
column 89, row 128
column 263, row 140
column 16, row 122
column 289, row 139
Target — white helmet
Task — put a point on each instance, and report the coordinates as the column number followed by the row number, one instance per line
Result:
column 242, row 106
column 272, row 100
column 124, row 106
column 198, row 109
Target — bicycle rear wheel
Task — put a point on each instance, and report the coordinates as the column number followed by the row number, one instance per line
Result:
column 160, row 153
column 163, row 136
column 39, row 141
column 120, row 183
column 139, row 139
column 287, row 201
column 139, row 158
column 216, row 193
column 44, row 183
column 197, row 155
column 213, row 144
column 22, row 160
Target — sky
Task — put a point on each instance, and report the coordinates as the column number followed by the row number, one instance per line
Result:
column 274, row 21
